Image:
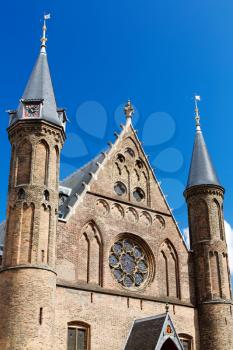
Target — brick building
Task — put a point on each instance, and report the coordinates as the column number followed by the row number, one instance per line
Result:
column 91, row 262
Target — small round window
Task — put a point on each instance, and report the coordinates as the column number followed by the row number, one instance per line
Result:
column 120, row 188
column 138, row 194
column 129, row 263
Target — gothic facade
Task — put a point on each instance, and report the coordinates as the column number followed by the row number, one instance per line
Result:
column 97, row 261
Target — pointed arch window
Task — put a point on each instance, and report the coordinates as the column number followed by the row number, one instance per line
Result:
column 78, row 336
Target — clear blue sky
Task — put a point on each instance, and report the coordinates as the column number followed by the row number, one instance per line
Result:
column 156, row 52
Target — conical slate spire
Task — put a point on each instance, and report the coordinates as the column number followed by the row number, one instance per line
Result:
column 39, row 91
column 201, row 171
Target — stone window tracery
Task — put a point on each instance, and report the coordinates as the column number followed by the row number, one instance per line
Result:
column 129, row 263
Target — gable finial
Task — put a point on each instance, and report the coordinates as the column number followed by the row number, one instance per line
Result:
column 129, row 110
column 44, row 38
column 167, row 308
column 197, row 115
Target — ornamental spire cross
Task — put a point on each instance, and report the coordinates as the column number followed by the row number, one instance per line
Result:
column 129, row 110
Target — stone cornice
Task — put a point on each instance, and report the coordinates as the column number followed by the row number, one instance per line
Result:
column 36, row 126
column 97, row 289
column 204, row 189
column 22, row 267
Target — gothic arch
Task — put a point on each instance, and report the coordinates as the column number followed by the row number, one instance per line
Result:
column 23, row 167
column 131, row 215
column 190, row 213
column 217, row 218
column 44, row 233
column 90, row 254
column 215, row 274
column 168, row 271
column 54, row 166
column 169, row 345
column 226, row 274
column 41, row 163
column 25, row 241
column 199, row 219
column 130, row 143
column 12, row 167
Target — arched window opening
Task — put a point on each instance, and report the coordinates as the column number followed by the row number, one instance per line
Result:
column 46, row 195
column 21, row 194
column 78, row 336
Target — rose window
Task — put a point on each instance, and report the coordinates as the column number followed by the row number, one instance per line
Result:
column 128, row 263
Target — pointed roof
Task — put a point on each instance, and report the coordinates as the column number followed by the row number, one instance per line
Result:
column 151, row 333
column 40, row 89
column 201, row 171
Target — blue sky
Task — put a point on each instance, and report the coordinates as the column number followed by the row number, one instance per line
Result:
column 158, row 53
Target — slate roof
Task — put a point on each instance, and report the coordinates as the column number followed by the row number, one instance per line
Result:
column 74, row 185
column 145, row 333
column 201, row 171
column 40, row 87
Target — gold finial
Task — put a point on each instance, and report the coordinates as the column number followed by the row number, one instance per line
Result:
column 167, row 308
column 129, row 110
column 197, row 116
column 44, row 29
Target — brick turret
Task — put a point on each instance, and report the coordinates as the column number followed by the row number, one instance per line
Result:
column 204, row 196
column 27, row 277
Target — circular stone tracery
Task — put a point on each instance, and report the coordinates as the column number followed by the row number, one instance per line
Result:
column 129, row 263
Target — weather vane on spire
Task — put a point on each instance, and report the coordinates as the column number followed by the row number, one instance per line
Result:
column 129, row 110
column 197, row 116
column 44, row 28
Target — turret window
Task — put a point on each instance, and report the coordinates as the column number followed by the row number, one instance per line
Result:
column 21, row 194
column 46, row 195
